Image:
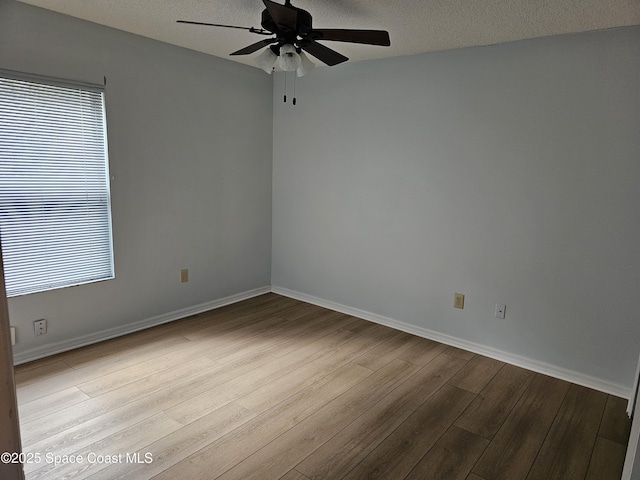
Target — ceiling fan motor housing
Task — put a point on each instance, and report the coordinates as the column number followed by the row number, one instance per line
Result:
column 290, row 28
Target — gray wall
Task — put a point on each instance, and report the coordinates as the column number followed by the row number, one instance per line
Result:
column 190, row 143
column 507, row 173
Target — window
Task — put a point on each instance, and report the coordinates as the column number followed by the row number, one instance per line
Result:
column 55, row 218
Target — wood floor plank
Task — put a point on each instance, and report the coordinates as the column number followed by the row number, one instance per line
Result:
column 114, row 447
column 299, row 310
column 134, row 373
column 567, row 449
column 271, row 334
column 358, row 325
column 251, row 322
column 235, row 314
column 223, row 385
column 423, row 352
column 209, row 325
column 233, row 448
column 451, row 458
column 36, row 371
column 248, row 305
column 458, row 352
column 261, row 303
column 414, row 437
column 177, row 383
column 494, row 403
column 49, row 405
column 476, row 374
column 277, row 458
column 260, row 399
column 178, row 445
column 321, row 325
column 244, row 384
column 254, row 303
column 230, row 342
column 284, row 339
column 32, row 391
column 294, row 475
column 388, row 350
column 607, row 460
column 515, row 447
column 91, row 431
column 239, row 334
column 338, row 456
column 616, row 424
column 364, row 342
column 226, row 347
column 121, row 347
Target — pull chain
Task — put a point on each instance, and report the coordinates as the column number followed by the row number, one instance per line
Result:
column 285, row 87
column 294, row 87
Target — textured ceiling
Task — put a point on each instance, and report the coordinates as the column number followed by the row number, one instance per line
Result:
column 415, row 26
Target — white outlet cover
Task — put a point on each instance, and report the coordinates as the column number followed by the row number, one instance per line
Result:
column 500, row 310
column 13, row 335
column 40, row 327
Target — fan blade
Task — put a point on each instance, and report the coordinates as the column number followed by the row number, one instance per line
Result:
column 212, row 24
column 255, row 47
column 259, row 31
column 322, row 53
column 282, row 15
column 368, row 37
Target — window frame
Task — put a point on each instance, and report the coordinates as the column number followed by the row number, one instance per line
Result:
column 100, row 198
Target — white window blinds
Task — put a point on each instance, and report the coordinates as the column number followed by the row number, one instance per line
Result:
column 55, row 218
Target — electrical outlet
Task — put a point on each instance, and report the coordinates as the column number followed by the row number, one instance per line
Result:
column 13, row 335
column 500, row 310
column 184, row 275
column 458, row 300
column 40, row 327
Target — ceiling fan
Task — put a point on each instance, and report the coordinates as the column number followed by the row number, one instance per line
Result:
column 294, row 32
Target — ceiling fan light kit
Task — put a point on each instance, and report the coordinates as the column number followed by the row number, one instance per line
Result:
column 289, row 58
column 267, row 60
column 288, row 62
column 306, row 65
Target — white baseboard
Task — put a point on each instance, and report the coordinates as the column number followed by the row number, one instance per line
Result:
column 517, row 360
column 66, row 345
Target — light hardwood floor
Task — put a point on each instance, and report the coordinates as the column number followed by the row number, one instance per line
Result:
column 273, row 388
